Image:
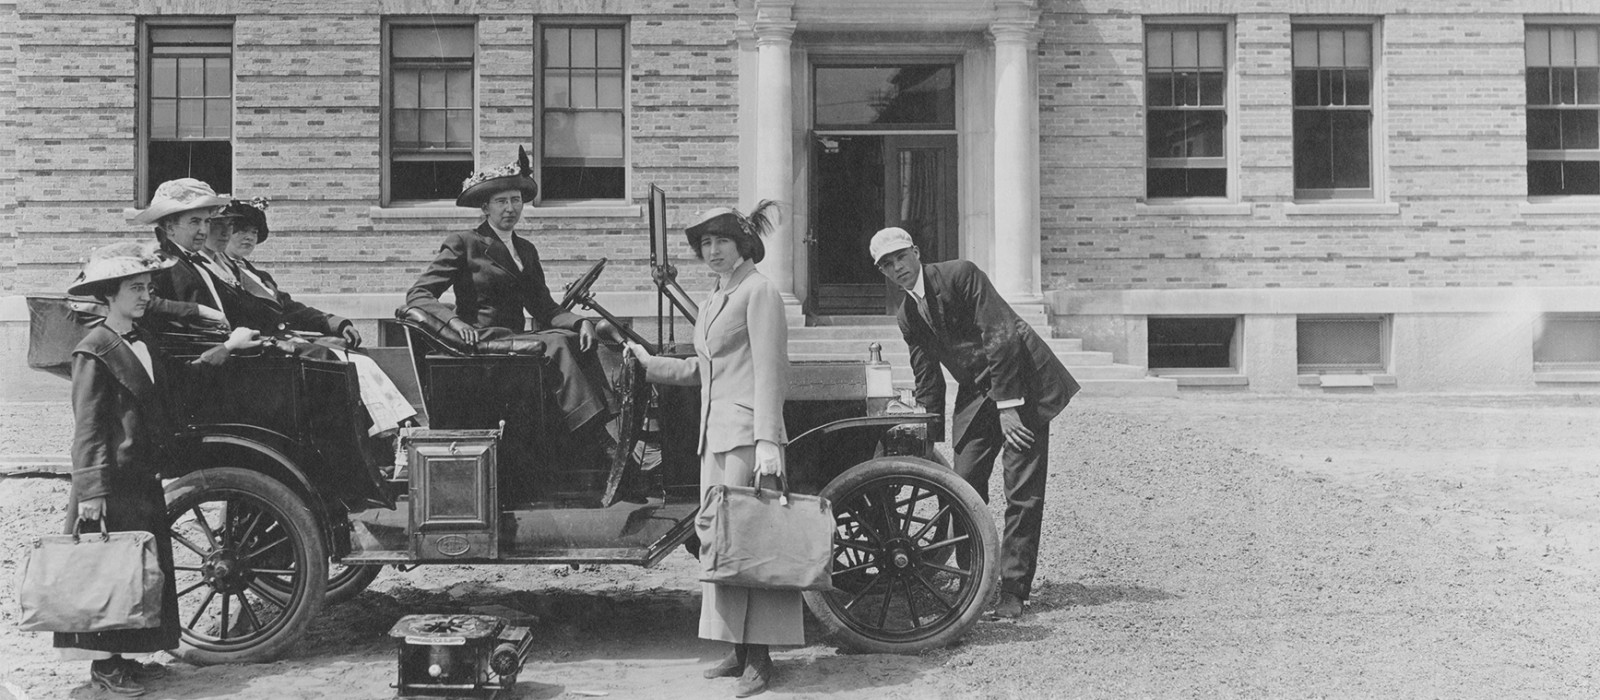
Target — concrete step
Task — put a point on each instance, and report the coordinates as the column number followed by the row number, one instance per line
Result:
column 891, row 334
column 1147, row 386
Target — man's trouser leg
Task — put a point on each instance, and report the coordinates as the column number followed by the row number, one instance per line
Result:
column 1025, row 475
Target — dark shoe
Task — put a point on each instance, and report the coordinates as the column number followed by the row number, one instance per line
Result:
column 730, row 666
column 757, row 673
column 142, row 672
column 114, row 678
column 1009, row 607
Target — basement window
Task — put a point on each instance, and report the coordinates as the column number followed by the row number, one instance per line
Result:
column 1342, row 344
column 1566, row 342
column 1184, row 343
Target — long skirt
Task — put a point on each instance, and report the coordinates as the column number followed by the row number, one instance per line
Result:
column 735, row 613
column 582, row 392
column 133, row 507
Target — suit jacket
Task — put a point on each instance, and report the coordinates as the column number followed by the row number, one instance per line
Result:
column 489, row 290
column 992, row 353
column 178, row 291
column 285, row 312
column 741, row 362
column 121, row 419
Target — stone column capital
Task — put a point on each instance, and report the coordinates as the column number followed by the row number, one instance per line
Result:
column 770, row 32
column 1015, row 22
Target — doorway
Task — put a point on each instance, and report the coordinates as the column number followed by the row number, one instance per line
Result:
column 883, row 153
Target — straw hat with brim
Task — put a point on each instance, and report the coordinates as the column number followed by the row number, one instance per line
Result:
column 249, row 213
column 116, row 261
column 484, row 184
column 174, row 196
column 729, row 223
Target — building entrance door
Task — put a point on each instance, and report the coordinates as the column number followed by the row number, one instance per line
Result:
column 883, row 153
column 862, row 183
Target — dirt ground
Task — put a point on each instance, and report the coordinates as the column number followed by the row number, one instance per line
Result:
column 1207, row 546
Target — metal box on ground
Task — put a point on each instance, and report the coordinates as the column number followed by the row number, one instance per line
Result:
column 455, row 506
column 473, row 656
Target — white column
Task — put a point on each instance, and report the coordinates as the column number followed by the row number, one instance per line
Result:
column 775, row 145
column 1016, row 164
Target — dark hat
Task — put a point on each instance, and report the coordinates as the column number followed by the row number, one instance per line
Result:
column 729, row 223
column 484, row 184
column 252, row 212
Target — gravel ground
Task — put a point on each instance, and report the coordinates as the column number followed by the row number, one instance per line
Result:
column 1208, row 546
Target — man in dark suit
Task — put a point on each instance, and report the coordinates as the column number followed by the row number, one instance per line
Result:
column 497, row 276
column 1010, row 384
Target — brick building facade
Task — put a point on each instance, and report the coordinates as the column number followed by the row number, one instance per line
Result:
column 1269, row 195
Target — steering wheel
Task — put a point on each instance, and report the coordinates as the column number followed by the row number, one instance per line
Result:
column 580, row 289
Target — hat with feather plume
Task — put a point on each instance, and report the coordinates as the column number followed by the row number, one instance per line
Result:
column 728, row 222
column 477, row 190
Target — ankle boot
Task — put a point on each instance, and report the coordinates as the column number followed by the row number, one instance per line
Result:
column 730, row 666
column 110, row 675
column 757, row 672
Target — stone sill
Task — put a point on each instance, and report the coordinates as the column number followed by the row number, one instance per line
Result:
column 1337, row 208
column 1566, row 377
column 445, row 211
column 1205, row 380
column 1193, row 209
column 1587, row 205
column 1346, row 381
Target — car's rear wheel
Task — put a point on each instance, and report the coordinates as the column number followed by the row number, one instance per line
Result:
column 915, row 554
column 346, row 581
column 250, row 565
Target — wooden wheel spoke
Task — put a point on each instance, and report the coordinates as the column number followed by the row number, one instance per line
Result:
column 911, row 602
column 934, row 590
column 191, row 589
column 963, row 573
column 180, row 539
column 222, row 632
column 249, row 613
column 864, row 590
column 258, row 551
column 204, row 605
column 267, row 596
column 958, row 539
column 205, row 527
column 943, row 512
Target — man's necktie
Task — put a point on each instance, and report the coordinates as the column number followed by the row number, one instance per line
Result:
column 922, row 308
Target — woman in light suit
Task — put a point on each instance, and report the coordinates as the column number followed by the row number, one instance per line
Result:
column 741, row 362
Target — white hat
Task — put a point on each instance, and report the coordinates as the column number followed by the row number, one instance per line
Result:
column 119, row 260
column 888, row 241
column 182, row 194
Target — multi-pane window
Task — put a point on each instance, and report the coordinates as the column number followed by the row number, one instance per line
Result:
column 189, row 118
column 581, row 118
column 1333, row 112
column 1563, row 110
column 1185, row 81
column 1341, row 344
column 430, row 115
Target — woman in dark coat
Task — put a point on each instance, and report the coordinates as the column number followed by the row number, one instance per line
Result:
column 120, row 427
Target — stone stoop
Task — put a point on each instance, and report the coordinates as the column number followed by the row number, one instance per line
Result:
column 1094, row 370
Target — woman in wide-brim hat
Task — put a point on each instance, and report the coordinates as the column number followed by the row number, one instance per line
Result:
column 741, row 364
column 119, row 443
column 477, row 189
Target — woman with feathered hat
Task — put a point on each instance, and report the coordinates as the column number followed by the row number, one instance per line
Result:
column 741, row 364
column 497, row 276
column 120, row 428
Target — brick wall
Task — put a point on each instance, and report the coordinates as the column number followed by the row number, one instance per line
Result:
column 1450, row 136
column 306, row 133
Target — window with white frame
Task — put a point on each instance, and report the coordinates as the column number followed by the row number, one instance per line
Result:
column 1342, row 344
column 1567, row 341
column 430, row 109
column 1192, row 343
column 1186, row 82
column 1332, row 112
column 582, row 113
column 1563, row 77
column 188, row 124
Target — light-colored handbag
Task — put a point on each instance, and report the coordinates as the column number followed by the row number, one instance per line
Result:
column 90, row 583
column 766, row 538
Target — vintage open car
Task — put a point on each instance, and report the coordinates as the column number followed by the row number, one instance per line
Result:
column 279, row 506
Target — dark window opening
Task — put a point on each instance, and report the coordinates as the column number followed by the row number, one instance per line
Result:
column 1192, row 343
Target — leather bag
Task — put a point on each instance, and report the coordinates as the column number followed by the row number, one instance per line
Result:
column 766, row 538
column 90, row 583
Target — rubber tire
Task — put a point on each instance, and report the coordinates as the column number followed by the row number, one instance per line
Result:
column 305, row 541
column 860, row 638
column 348, row 582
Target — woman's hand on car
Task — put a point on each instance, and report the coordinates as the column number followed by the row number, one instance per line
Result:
column 242, row 338
column 638, row 350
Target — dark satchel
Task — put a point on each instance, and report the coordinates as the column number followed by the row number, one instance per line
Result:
column 765, row 538
column 55, row 326
column 90, row 583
